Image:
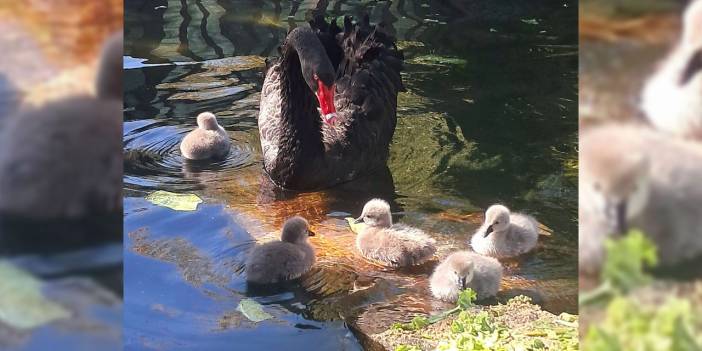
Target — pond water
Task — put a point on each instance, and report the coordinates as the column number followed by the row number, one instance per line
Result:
column 490, row 115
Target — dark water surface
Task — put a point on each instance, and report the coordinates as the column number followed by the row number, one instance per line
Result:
column 490, row 115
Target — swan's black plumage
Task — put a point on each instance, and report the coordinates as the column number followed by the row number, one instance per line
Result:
column 300, row 151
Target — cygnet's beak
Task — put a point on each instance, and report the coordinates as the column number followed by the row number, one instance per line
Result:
column 358, row 220
column 488, row 231
column 310, row 232
column 462, row 282
column 622, row 226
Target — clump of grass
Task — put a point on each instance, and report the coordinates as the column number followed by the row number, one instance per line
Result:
column 487, row 328
column 630, row 324
column 624, row 268
column 472, row 331
column 465, row 301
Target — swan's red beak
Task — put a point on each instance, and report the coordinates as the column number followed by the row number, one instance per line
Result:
column 325, row 95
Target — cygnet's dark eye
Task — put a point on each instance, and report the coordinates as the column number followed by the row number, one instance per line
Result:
column 497, row 222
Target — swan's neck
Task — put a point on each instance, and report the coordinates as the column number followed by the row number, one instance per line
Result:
column 300, row 118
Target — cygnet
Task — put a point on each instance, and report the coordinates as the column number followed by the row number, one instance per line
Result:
column 208, row 141
column 392, row 245
column 672, row 97
column 283, row 260
column 465, row 269
column 505, row 234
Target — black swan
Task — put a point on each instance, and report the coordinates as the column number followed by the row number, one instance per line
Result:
column 328, row 104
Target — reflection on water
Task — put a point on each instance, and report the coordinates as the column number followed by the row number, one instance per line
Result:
column 489, row 116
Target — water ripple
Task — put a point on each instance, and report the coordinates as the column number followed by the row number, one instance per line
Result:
column 153, row 159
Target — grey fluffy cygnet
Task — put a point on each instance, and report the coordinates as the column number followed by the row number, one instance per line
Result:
column 392, row 245
column 208, row 141
column 672, row 97
column 465, row 269
column 505, row 234
column 283, row 260
column 63, row 159
column 636, row 177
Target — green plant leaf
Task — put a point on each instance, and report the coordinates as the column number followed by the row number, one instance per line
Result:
column 682, row 338
column 253, row 310
column 178, row 202
column 466, row 298
column 627, row 258
column 22, row 305
column 416, row 323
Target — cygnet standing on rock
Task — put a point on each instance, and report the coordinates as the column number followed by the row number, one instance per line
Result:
column 465, row 269
column 672, row 98
column 208, row 141
column 392, row 245
column 640, row 178
column 283, row 260
column 505, row 234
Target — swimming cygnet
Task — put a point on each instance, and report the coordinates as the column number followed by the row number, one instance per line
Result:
column 465, row 269
column 283, row 260
column 208, row 141
column 392, row 245
column 64, row 159
column 505, row 234
column 672, row 98
column 640, row 178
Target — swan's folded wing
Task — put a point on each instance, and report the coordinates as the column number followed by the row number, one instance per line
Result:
column 407, row 246
column 368, row 80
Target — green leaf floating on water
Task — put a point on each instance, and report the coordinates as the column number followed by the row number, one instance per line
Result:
column 253, row 310
column 355, row 227
column 404, row 44
column 532, row 21
column 22, row 305
column 436, row 60
column 178, row 202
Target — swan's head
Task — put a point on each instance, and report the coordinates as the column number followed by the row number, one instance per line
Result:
column 692, row 41
column 496, row 218
column 109, row 77
column 461, row 270
column 615, row 188
column 207, row 121
column 376, row 213
column 692, row 24
column 296, row 230
column 316, row 68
